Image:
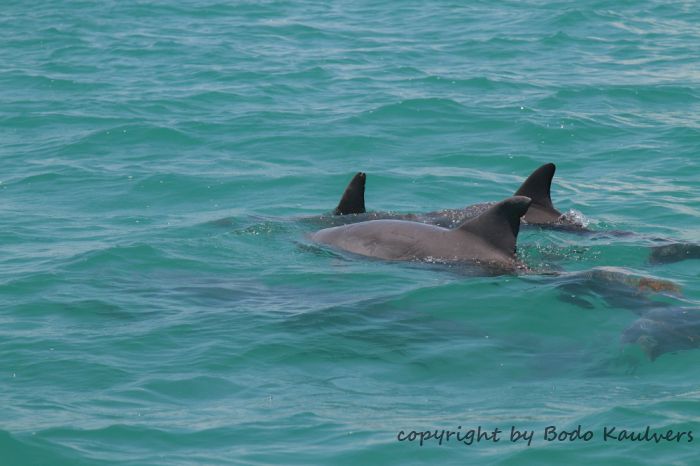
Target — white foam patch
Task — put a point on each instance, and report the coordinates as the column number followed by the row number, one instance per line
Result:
column 576, row 217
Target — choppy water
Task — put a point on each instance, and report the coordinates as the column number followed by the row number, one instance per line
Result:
column 161, row 306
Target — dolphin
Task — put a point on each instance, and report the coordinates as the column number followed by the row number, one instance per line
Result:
column 488, row 240
column 665, row 330
column 537, row 186
column 542, row 213
column 661, row 327
column 674, row 252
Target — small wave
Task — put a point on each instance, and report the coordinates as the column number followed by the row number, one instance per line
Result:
column 54, row 83
column 292, row 30
column 130, row 254
column 23, row 450
column 129, row 135
column 213, row 97
column 51, row 120
column 570, row 17
column 645, row 93
column 89, row 308
column 480, row 83
column 559, row 38
column 312, row 74
column 429, row 108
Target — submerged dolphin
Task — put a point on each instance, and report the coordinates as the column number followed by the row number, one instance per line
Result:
column 665, row 330
column 674, row 252
column 662, row 326
column 537, row 186
column 487, row 240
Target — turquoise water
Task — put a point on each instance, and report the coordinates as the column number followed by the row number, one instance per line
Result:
column 161, row 305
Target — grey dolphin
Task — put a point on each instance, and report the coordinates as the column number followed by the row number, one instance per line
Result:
column 674, row 252
column 537, row 186
column 665, row 330
column 488, row 239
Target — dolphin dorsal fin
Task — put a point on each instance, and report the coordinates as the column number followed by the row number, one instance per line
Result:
column 353, row 200
column 538, row 185
column 500, row 224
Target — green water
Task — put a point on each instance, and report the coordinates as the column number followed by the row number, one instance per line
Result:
column 161, row 305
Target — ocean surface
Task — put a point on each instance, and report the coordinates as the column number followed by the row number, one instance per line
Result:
column 161, row 303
